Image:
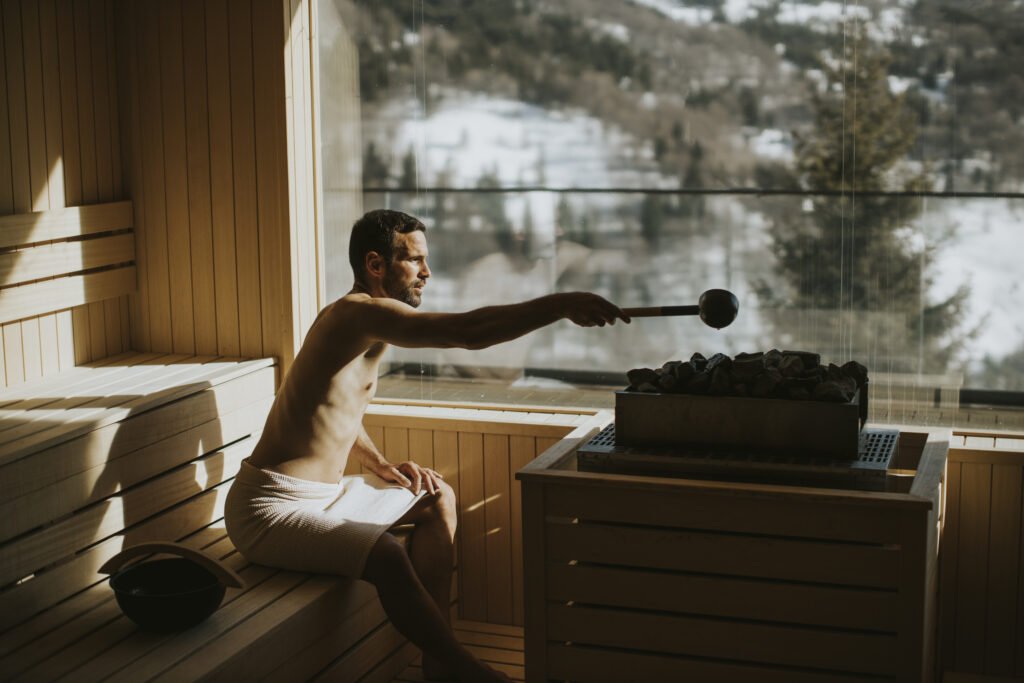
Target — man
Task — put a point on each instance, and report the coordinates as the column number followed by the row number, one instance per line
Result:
column 290, row 507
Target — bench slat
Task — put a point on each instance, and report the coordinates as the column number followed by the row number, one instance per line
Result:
column 107, row 444
column 104, row 382
column 47, row 386
column 150, row 396
column 49, row 296
column 97, row 522
column 64, row 258
column 45, row 504
column 56, row 224
column 59, row 582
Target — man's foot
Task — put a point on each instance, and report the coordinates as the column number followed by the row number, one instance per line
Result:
column 481, row 673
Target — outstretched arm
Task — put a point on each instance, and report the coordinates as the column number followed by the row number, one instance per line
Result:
column 391, row 321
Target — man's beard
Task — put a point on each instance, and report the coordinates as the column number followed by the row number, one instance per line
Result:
column 407, row 295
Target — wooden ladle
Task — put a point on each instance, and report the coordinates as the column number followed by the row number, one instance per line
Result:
column 716, row 307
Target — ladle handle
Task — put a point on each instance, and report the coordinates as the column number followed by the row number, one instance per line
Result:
column 227, row 576
column 655, row 311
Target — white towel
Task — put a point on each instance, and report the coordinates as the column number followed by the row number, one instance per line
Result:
column 311, row 526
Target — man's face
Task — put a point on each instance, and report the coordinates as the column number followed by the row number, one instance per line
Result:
column 407, row 274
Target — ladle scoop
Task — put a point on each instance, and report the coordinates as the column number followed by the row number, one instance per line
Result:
column 716, row 307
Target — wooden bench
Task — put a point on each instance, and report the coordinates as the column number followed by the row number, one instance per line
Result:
column 142, row 447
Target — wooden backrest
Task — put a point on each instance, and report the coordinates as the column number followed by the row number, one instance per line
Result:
column 53, row 260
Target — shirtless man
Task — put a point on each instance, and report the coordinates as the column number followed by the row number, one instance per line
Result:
column 290, row 506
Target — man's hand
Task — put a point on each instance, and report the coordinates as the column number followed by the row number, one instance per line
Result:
column 586, row 310
column 411, row 476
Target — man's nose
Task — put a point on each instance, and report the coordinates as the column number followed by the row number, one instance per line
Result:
column 425, row 271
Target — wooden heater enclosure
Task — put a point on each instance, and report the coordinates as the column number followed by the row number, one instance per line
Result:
column 654, row 579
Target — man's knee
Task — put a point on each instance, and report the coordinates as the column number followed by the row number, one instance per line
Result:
column 447, row 506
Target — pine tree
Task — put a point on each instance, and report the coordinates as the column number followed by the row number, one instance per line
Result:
column 853, row 254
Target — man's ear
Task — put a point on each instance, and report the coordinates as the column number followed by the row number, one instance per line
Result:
column 375, row 265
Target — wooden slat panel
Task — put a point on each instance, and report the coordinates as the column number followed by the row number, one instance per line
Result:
column 84, row 87
column 49, row 345
column 149, row 395
column 176, row 178
column 473, row 548
column 6, row 165
column 497, row 525
column 97, row 329
column 522, row 449
column 725, row 640
column 69, row 105
column 61, row 258
column 598, row 665
column 421, row 447
column 274, row 236
column 245, row 192
column 112, row 316
column 50, row 587
column 155, row 227
column 1004, row 570
column 49, row 503
column 197, row 125
column 31, row 349
column 49, row 295
column 221, row 174
column 14, row 358
column 52, row 103
column 101, row 86
column 724, row 596
column 704, row 509
column 38, row 170
column 693, row 551
column 396, row 444
column 39, row 549
column 14, row 58
column 972, row 572
column 950, row 566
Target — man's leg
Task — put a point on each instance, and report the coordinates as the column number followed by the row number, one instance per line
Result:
column 431, row 550
column 413, row 611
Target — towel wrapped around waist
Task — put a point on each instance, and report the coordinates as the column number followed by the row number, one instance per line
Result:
column 311, row 526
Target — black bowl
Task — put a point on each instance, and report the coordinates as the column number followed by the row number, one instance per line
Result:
column 167, row 595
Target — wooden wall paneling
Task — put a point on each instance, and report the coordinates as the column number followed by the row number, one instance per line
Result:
column 65, row 339
column 97, row 330
column 240, row 26
column 66, row 257
column 6, row 159
column 86, row 111
column 71, row 149
column 34, row 104
column 1004, row 570
column 151, row 151
column 376, row 435
column 112, row 332
column 16, row 101
column 522, row 449
column 176, row 179
column 225, row 268
column 949, row 566
column 396, row 444
column 13, row 354
column 81, row 341
column 271, row 154
column 473, row 549
column 49, row 344
column 197, row 122
column 114, row 103
column 972, row 573
column 128, row 27
column 126, row 330
column 497, row 528
column 446, row 459
column 421, row 447
column 52, row 103
column 318, row 225
column 105, row 136
column 31, row 349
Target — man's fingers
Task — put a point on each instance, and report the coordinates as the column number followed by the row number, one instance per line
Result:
column 400, row 478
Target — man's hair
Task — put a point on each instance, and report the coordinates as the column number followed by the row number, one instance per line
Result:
column 375, row 231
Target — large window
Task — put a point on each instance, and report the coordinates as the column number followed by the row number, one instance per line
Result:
column 851, row 170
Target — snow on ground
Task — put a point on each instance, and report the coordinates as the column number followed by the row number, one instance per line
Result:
column 525, row 145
